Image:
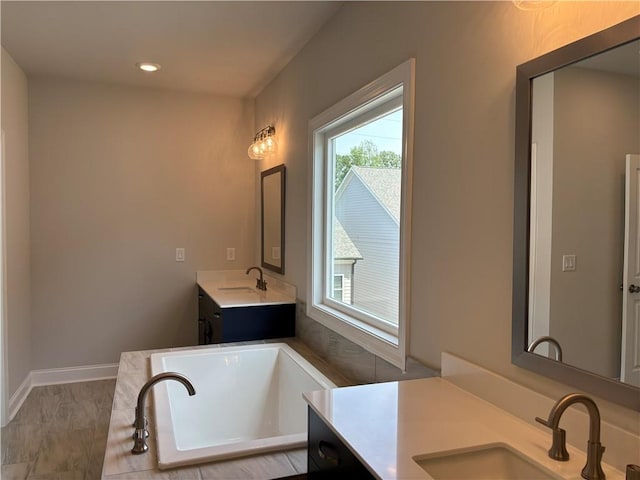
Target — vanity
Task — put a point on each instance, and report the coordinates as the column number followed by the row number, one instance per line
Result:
column 327, row 453
column 232, row 309
column 449, row 427
column 236, row 305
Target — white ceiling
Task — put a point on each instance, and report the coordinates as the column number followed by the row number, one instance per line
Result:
column 624, row 59
column 230, row 48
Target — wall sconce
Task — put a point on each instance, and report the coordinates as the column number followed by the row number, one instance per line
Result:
column 264, row 143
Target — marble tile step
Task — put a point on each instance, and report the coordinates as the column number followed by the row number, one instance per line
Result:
column 71, row 475
column 262, row 467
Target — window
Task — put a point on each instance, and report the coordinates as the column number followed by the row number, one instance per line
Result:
column 360, row 210
column 338, row 288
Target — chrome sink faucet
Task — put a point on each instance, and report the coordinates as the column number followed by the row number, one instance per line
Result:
column 558, row 451
column 260, row 282
column 141, row 433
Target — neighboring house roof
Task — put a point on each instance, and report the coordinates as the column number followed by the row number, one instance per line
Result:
column 383, row 183
column 344, row 248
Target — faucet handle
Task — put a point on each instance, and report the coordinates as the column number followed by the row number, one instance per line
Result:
column 543, row 422
column 139, row 443
column 558, row 450
column 146, row 422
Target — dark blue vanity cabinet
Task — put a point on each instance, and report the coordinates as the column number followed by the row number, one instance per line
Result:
column 328, row 457
column 243, row 323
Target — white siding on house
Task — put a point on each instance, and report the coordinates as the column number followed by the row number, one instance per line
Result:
column 377, row 237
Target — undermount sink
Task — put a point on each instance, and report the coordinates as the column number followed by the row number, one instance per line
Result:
column 495, row 462
column 237, row 289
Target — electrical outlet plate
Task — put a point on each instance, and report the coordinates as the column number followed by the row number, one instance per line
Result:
column 231, row 253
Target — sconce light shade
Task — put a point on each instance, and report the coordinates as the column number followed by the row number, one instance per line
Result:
column 264, row 143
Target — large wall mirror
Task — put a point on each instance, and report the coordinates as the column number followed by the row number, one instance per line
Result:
column 576, row 291
column 272, row 206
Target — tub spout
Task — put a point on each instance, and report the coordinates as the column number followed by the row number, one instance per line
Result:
column 140, row 424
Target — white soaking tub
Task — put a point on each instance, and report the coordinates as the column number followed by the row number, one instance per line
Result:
column 248, row 400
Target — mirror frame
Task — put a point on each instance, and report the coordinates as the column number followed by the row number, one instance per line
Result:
column 271, row 171
column 609, row 389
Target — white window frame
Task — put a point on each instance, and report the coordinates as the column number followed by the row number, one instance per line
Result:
column 389, row 344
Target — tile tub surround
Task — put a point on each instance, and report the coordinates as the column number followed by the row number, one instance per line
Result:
column 60, row 432
column 214, row 283
column 356, row 362
column 420, row 417
column 119, row 463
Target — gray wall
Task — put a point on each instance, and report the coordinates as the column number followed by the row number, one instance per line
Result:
column 16, row 184
column 466, row 54
column 588, row 212
column 120, row 177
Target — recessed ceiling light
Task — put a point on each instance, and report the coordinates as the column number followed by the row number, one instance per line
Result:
column 148, row 67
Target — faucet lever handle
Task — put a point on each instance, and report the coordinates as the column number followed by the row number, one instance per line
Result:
column 544, row 422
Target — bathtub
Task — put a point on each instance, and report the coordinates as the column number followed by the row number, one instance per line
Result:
column 248, row 400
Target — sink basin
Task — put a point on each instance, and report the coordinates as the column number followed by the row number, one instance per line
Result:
column 495, row 462
column 237, row 289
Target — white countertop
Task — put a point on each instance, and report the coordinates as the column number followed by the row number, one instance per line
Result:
column 233, row 288
column 387, row 424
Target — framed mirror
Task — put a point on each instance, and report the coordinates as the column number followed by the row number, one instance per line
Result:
column 272, row 187
column 576, row 277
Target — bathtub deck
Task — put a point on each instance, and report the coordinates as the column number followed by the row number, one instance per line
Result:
column 119, row 464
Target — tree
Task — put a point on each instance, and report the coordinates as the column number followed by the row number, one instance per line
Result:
column 365, row 155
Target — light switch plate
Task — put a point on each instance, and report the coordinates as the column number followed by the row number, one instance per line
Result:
column 179, row 254
column 568, row 263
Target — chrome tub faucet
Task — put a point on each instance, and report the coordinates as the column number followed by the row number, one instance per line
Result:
column 558, row 451
column 261, row 284
column 140, row 424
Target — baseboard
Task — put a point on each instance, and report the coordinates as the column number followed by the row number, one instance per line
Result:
column 18, row 398
column 54, row 376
